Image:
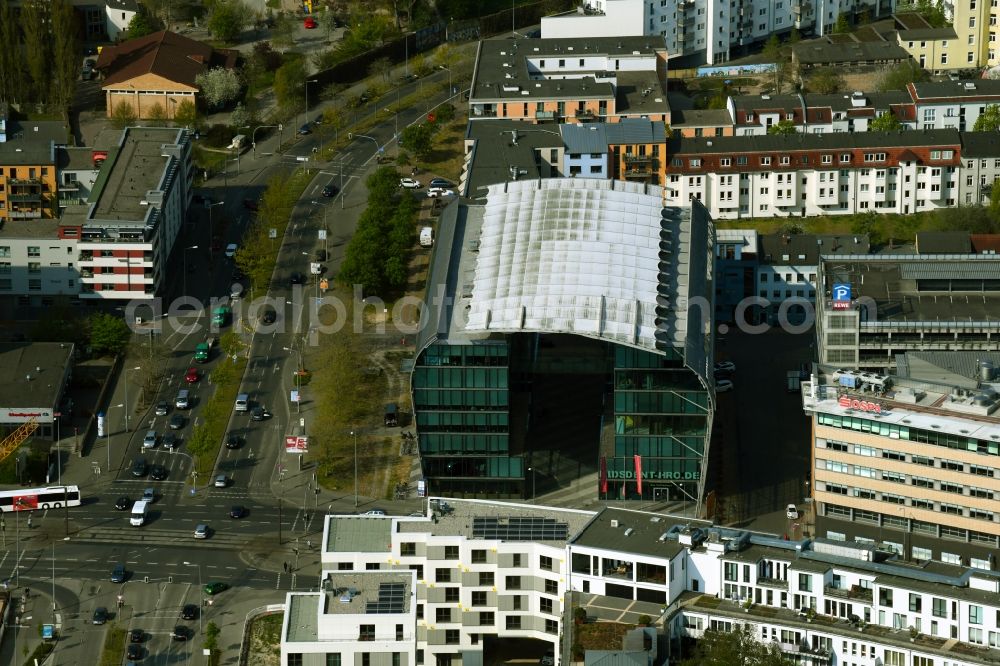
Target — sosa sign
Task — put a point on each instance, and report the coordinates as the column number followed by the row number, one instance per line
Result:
column 863, row 405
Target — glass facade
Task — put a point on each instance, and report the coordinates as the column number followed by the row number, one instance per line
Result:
column 951, row 441
column 461, row 399
column 661, row 413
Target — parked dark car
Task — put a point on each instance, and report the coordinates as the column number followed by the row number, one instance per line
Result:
column 136, row 636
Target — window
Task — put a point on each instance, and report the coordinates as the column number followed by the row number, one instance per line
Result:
column 366, row 632
column 479, row 556
column 407, row 549
column 975, row 614
column 442, row 615
column 845, row 158
column 486, row 619
column 478, row 598
column 545, row 563
column 452, row 636
column 513, row 621
column 4, row 250
column 399, row 632
column 34, row 251
column 551, row 587
column 805, row 582
column 513, row 582
column 884, row 596
column 518, row 560
column 295, row 659
column 694, row 163
column 442, row 575
column 725, row 161
column 939, row 607
column 451, row 552
column 915, row 603
column 451, row 595
column 765, row 161
column 551, row 626
column 332, row 659
column 5, row 268
column 486, row 578
column 545, row 605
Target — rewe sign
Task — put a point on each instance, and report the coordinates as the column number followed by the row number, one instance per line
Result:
column 865, row 406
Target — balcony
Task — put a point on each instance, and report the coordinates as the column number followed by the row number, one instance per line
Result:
column 24, row 214
column 639, row 159
column 854, row 592
column 25, row 197
column 585, row 114
column 764, row 581
column 25, row 181
column 622, row 570
column 545, row 115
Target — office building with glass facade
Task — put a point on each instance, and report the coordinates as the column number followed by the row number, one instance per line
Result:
column 568, row 335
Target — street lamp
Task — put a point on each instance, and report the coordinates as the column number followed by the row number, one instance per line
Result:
column 378, row 148
column 211, row 233
column 395, row 121
column 253, row 136
column 125, row 377
column 298, row 369
column 107, row 432
column 449, row 77
column 326, row 226
column 200, row 593
column 355, row 435
column 306, row 88
column 185, row 278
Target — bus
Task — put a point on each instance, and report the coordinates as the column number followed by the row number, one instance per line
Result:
column 30, row 499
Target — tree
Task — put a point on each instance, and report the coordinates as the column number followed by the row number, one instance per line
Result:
column 157, row 113
column 988, row 120
column 186, row 114
column 995, row 199
column 219, row 86
column 783, row 127
column 243, row 117
column 123, row 114
column 825, row 81
column 108, row 333
column 11, row 72
column 37, row 48
column 443, row 114
column 381, row 67
column 211, row 636
column 417, row 139
column 843, row 24
column 772, row 49
column 139, row 26
column 283, row 33
column 900, row 76
column 265, row 57
column 739, row 647
column 885, row 122
column 228, row 18
column 65, row 54
column 289, row 85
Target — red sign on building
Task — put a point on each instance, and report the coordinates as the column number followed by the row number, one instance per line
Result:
column 848, row 402
column 841, row 305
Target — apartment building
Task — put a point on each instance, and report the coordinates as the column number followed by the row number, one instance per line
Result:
column 811, row 113
column 582, row 79
column 952, row 104
column 484, row 569
column 28, row 160
column 871, row 308
column 117, row 244
column 707, row 32
column 817, row 174
column 911, row 458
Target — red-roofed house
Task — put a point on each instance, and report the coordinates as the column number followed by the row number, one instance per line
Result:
column 985, row 243
column 157, row 70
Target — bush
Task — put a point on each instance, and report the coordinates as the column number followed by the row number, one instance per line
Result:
column 580, row 615
column 645, row 621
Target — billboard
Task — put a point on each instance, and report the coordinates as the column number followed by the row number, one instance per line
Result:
column 24, row 502
column 294, row 444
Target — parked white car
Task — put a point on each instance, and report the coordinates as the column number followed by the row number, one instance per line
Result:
column 440, row 192
column 409, row 183
column 792, row 512
column 231, row 250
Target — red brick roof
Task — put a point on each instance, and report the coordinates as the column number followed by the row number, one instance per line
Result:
column 985, row 243
column 166, row 54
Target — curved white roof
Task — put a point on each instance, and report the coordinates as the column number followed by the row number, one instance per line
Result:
column 582, row 256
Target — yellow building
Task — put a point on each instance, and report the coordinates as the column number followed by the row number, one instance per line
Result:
column 965, row 45
column 28, row 181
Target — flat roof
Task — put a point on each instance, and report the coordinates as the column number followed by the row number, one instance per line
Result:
column 31, row 374
column 460, row 520
column 920, row 288
column 495, row 152
column 805, row 141
column 952, row 92
column 359, row 534
column 303, row 618
column 31, row 142
column 368, row 593
column 136, row 170
column 824, row 51
column 645, row 533
column 582, row 256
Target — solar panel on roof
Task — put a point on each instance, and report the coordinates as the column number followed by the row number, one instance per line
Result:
column 517, row 528
column 391, row 599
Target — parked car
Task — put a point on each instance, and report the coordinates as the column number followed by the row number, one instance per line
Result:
column 723, row 385
column 439, row 192
column 440, row 182
column 162, row 407
column 374, row 512
column 309, row 23
column 231, row 250
column 330, row 190
column 410, row 183
column 100, row 615
column 792, row 512
column 158, row 473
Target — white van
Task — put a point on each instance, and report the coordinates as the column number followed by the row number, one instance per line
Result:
column 183, row 399
column 139, row 511
column 242, row 402
column 426, row 237
column 239, row 141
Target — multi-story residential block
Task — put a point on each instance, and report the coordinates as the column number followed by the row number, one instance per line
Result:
column 707, row 31
column 786, row 273
column 911, row 459
column 611, row 290
column 817, row 114
column 952, row 104
column 118, row 244
column 484, row 569
column 817, row 174
column 358, row 615
column 701, row 122
column 570, row 80
column 890, row 304
column 28, row 161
